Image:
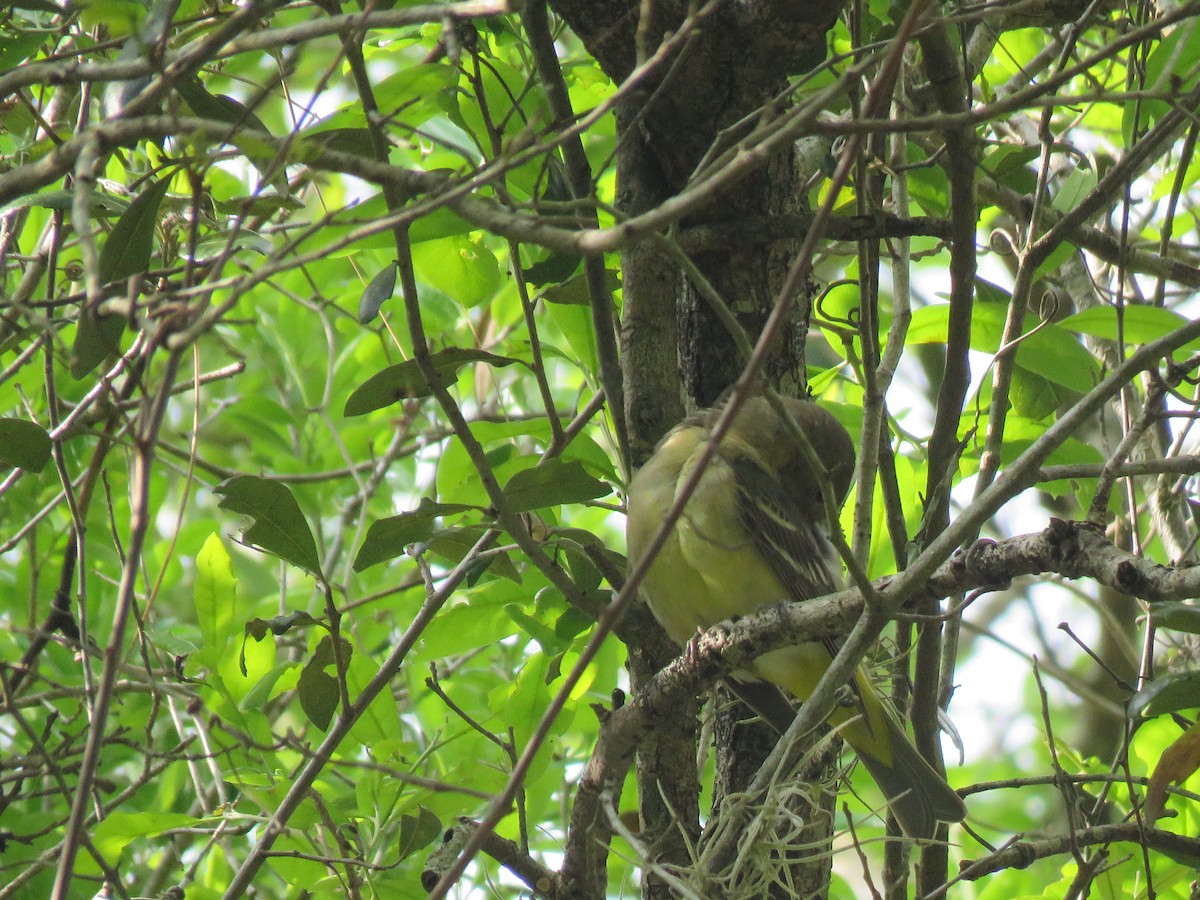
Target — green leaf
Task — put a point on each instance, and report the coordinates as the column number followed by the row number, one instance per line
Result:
column 277, row 625
column 118, row 830
column 1173, row 57
column 463, row 269
column 574, row 291
column 96, row 338
column 318, row 693
column 1171, row 693
column 1051, row 351
column 1031, row 395
column 543, row 634
column 99, row 203
column 417, row 92
column 131, row 242
column 342, row 140
column 1074, row 189
column 557, row 268
column 218, row 107
column 1177, row 616
column 387, row 538
column 279, row 526
column 1140, row 324
column 404, row 381
column 215, row 598
column 24, row 444
column 418, row 831
column 1009, row 165
column 317, row 689
column 552, row 483
column 453, row 545
column 378, row 292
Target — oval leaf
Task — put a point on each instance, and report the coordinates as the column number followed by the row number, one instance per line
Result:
column 405, row 381
column 218, row 107
column 387, row 538
column 24, row 444
column 1178, row 616
column 96, row 338
column 131, row 243
column 552, row 483
column 1138, row 324
column 418, row 831
column 1165, row 695
column 461, row 268
column 279, row 526
column 378, row 292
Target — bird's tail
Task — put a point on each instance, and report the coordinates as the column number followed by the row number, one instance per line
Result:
column 919, row 797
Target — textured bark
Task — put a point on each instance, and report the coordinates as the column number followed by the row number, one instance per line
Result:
column 735, row 63
column 676, row 354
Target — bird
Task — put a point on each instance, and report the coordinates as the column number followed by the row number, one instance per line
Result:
column 753, row 533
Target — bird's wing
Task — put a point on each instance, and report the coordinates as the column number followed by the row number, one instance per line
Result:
column 799, row 556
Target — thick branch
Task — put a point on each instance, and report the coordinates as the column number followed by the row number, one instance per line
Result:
column 1069, row 549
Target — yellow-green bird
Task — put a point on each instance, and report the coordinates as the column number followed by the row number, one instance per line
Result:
column 753, row 534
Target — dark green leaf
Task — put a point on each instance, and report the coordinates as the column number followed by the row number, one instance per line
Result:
column 318, row 693
column 24, row 444
column 99, row 204
column 317, row 689
column 405, row 381
column 571, row 623
column 378, row 292
column 131, row 242
column 574, row 291
column 96, row 338
column 277, row 625
column 1009, row 165
column 418, row 831
column 217, row 107
column 1171, row 693
column 343, row 140
column 552, row 483
column 261, row 205
column 18, row 47
column 554, row 269
column 279, row 525
column 1177, row 616
column 258, row 628
column 453, row 544
column 387, row 538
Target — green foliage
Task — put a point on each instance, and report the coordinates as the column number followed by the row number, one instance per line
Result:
column 222, row 298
